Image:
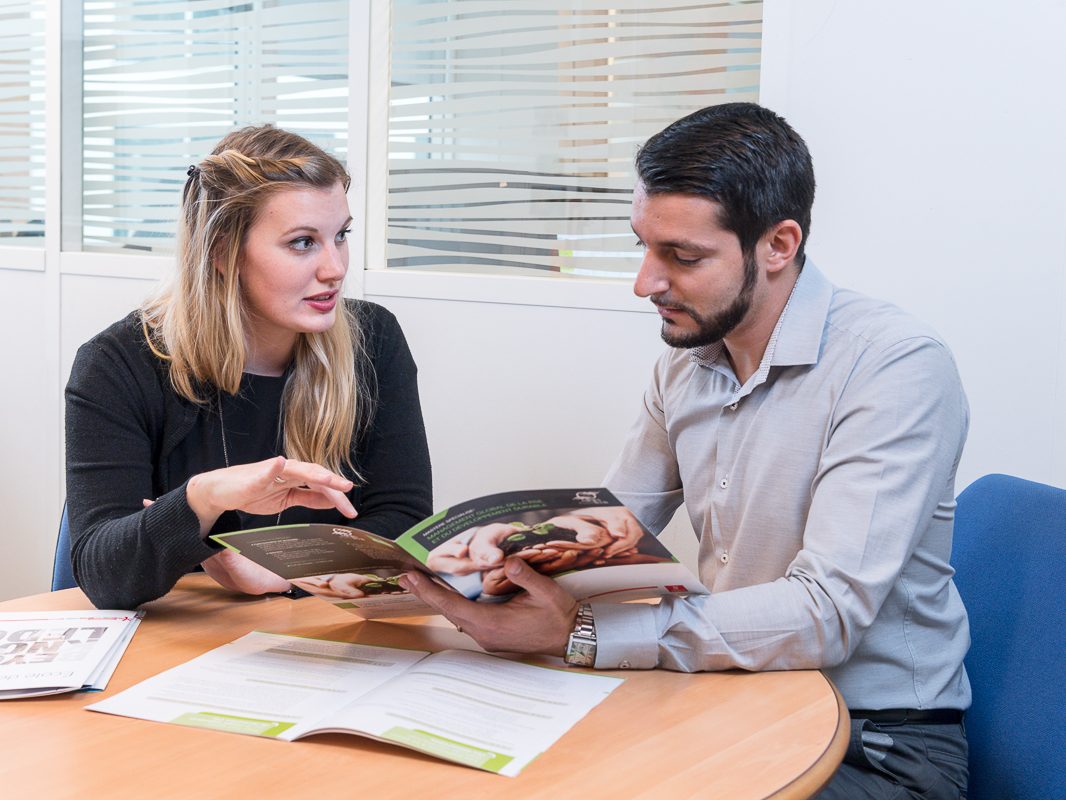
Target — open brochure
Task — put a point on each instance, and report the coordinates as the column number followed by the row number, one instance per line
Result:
column 47, row 652
column 585, row 538
column 461, row 706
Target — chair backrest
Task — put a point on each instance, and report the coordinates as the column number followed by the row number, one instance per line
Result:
column 1010, row 560
column 62, row 571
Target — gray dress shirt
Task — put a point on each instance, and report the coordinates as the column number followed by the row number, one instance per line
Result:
column 823, row 495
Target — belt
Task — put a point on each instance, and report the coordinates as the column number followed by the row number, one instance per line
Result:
column 926, row 716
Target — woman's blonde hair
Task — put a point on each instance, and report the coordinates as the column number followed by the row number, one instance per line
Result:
column 197, row 321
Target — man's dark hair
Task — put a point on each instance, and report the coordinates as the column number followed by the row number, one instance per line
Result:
column 744, row 157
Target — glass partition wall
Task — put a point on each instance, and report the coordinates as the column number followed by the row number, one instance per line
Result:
column 161, row 82
column 22, row 133
column 512, row 126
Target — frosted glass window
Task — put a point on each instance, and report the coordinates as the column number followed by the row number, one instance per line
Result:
column 513, row 126
column 22, row 123
column 163, row 81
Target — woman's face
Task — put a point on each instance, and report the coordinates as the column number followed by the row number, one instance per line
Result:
column 291, row 267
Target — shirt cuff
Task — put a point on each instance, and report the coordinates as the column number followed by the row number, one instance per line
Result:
column 626, row 636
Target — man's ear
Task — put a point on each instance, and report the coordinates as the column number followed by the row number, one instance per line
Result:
column 780, row 243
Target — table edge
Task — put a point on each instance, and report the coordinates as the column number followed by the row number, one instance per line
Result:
column 813, row 779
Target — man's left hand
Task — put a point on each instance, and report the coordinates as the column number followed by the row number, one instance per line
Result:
column 537, row 620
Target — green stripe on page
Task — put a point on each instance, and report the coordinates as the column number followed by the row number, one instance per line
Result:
column 448, row 749
column 232, row 724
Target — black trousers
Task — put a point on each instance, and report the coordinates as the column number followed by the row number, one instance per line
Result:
column 892, row 761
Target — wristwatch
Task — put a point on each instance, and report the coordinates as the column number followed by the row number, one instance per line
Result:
column 581, row 647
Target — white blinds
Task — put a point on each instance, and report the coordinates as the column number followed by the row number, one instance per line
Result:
column 22, row 123
column 513, row 125
column 163, row 81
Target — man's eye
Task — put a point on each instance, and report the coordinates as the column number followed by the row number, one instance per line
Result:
column 639, row 243
column 688, row 262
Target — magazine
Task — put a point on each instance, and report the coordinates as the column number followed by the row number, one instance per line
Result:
column 584, row 538
column 462, row 706
column 47, row 652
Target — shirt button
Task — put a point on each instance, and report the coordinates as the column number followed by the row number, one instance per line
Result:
column 623, row 664
column 724, row 483
column 724, row 558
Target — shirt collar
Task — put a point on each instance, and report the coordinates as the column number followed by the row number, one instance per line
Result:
column 797, row 336
column 802, row 322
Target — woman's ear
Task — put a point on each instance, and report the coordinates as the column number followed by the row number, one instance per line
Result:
column 780, row 244
column 219, row 255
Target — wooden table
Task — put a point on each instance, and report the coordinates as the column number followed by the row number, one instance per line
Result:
column 660, row 734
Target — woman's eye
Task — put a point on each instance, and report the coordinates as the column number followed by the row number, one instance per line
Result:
column 343, row 235
column 303, row 243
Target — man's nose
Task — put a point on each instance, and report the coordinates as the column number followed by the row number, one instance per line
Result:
column 651, row 279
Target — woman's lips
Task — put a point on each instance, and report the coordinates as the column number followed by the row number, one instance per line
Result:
column 323, row 303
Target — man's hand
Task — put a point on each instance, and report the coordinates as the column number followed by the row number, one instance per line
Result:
column 239, row 574
column 539, row 620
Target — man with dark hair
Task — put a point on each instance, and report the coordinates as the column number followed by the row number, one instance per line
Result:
column 813, row 435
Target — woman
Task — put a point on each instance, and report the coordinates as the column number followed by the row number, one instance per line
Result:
column 247, row 393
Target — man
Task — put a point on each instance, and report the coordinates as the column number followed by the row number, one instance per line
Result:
column 813, row 435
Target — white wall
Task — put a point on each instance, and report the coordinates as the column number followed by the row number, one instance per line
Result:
column 29, row 472
column 935, row 129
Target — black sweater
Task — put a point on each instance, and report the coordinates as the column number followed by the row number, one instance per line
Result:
column 130, row 436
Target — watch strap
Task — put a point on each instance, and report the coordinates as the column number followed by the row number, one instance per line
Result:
column 581, row 646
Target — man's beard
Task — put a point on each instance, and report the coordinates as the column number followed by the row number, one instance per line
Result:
column 715, row 327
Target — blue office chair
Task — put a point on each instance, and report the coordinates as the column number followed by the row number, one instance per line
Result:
column 62, row 571
column 1010, row 561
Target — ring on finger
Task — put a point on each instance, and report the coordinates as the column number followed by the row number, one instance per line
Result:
column 278, row 479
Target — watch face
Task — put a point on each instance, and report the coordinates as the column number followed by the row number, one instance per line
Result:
column 581, row 653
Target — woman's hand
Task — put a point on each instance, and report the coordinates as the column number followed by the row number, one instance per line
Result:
column 266, row 487
column 238, row 573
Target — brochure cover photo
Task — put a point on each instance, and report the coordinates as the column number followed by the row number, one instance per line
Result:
column 584, row 538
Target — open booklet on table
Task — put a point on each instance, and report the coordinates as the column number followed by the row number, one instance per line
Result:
column 461, row 706
column 48, row 652
column 585, row 538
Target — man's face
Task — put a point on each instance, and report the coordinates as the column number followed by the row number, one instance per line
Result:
column 693, row 269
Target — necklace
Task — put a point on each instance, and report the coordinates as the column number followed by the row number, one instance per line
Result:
column 225, row 450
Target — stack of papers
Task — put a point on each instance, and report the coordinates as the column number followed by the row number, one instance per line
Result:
column 47, row 652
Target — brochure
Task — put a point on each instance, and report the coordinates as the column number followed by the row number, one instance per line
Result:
column 47, row 652
column 585, row 538
column 458, row 705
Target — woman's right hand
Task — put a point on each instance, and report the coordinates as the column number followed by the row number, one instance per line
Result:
column 266, row 487
column 240, row 574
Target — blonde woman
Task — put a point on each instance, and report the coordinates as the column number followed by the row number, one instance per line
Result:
column 248, row 392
